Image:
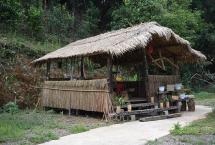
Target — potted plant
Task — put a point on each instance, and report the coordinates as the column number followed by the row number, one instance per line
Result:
column 129, row 107
column 161, row 104
column 166, row 100
column 119, row 102
column 152, row 99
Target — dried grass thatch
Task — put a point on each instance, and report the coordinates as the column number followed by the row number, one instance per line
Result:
column 88, row 95
column 120, row 42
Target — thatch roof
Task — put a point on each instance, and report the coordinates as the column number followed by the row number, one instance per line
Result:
column 121, row 42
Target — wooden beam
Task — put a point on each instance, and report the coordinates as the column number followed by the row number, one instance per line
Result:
column 71, row 68
column 48, row 66
column 109, row 73
column 162, row 62
column 170, row 62
column 145, row 74
column 156, row 63
column 82, row 68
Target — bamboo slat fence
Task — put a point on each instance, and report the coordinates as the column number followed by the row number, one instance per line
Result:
column 92, row 95
column 88, row 95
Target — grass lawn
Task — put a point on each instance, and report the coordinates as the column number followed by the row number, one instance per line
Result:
column 200, row 127
column 205, row 98
column 28, row 127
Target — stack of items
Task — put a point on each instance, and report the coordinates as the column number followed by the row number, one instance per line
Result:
column 176, row 95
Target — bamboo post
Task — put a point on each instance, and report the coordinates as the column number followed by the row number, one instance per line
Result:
column 82, row 68
column 145, row 74
column 109, row 73
column 177, row 69
column 71, row 68
column 66, row 66
column 48, row 64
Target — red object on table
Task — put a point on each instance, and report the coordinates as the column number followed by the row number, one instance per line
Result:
column 120, row 87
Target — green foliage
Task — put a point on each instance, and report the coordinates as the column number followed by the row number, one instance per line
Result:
column 119, row 100
column 153, row 142
column 37, row 127
column 34, row 19
column 176, row 129
column 89, row 25
column 10, row 13
column 205, row 98
column 174, row 14
column 78, row 129
column 11, row 107
column 44, row 137
column 133, row 78
column 59, row 22
column 9, row 131
column 199, row 127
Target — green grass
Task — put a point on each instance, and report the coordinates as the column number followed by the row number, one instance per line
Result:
column 9, row 131
column 199, row 127
column 40, row 138
column 153, row 142
column 36, row 127
column 78, row 129
column 205, row 98
column 13, row 127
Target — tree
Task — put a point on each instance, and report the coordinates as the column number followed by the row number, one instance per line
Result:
column 173, row 14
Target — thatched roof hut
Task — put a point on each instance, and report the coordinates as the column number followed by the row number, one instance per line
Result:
column 143, row 44
column 126, row 42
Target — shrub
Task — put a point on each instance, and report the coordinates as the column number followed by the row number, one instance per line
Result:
column 11, row 107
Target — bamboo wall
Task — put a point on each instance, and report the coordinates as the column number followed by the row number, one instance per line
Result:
column 156, row 80
column 88, row 95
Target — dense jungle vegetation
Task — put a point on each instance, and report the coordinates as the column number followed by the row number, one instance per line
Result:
column 30, row 28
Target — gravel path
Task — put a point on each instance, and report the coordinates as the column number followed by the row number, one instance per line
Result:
column 130, row 133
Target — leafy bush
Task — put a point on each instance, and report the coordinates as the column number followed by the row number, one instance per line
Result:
column 118, row 100
column 11, row 107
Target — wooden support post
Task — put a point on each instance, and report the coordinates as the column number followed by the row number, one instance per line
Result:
column 69, row 105
column 82, row 68
column 71, row 68
column 66, row 66
column 177, row 69
column 48, row 64
column 109, row 73
column 145, row 74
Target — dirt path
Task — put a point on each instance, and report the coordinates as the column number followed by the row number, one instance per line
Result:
column 130, row 133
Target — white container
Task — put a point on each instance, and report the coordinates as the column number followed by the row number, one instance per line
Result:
column 178, row 86
column 182, row 96
column 161, row 89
